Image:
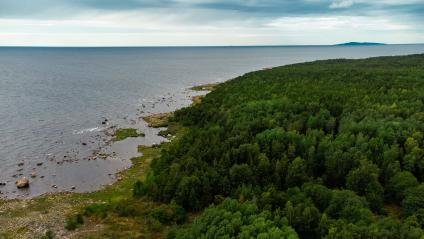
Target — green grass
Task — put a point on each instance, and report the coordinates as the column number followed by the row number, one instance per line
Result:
column 206, row 87
column 159, row 120
column 122, row 134
column 54, row 212
column 16, row 214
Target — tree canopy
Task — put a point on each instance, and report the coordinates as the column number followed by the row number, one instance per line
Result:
column 326, row 149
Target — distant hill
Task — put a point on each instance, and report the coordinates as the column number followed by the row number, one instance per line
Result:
column 360, row 44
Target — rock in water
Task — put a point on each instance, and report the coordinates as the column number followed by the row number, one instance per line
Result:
column 22, row 183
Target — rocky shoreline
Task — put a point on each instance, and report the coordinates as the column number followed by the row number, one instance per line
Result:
column 156, row 121
column 36, row 216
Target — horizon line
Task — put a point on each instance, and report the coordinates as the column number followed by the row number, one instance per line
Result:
column 194, row 46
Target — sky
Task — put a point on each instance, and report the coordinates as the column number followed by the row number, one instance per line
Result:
column 208, row 22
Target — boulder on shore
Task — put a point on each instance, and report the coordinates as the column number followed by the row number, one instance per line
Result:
column 22, row 183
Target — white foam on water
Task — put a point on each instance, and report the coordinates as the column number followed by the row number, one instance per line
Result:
column 83, row 131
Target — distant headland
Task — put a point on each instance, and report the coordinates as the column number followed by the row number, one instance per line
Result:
column 361, row 44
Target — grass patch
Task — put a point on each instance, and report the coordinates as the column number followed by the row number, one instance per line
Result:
column 122, row 134
column 206, row 87
column 103, row 212
column 51, row 211
column 171, row 130
column 158, row 120
column 142, row 148
column 197, row 99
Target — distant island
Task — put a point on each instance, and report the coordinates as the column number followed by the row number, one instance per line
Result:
column 361, row 44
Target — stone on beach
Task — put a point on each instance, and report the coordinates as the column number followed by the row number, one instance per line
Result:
column 22, row 183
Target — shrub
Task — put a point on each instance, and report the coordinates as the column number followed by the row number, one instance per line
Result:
column 163, row 214
column 125, row 209
column 48, row 235
column 179, row 213
column 154, row 224
column 139, row 189
column 73, row 222
column 97, row 210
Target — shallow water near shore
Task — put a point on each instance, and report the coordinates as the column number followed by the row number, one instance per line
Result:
column 59, row 106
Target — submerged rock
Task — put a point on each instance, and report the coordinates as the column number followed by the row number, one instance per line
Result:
column 22, row 183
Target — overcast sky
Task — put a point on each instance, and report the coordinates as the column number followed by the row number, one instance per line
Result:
column 208, row 22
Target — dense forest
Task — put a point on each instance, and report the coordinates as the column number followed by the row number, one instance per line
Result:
column 328, row 149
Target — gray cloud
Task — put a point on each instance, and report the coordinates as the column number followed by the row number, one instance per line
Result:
column 57, row 8
column 268, row 20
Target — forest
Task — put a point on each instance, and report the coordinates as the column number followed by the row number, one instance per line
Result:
column 327, row 149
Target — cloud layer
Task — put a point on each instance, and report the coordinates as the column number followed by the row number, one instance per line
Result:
column 208, row 22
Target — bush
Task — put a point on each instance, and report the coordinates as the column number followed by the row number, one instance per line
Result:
column 163, row 214
column 97, row 210
column 48, row 235
column 154, row 224
column 139, row 189
column 168, row 214
column 179, row 213
column 73, row 222
column 125, row 209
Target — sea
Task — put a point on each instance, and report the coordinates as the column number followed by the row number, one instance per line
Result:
column 59, row 107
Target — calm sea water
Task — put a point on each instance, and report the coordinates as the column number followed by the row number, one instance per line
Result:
column 54, row 100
